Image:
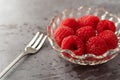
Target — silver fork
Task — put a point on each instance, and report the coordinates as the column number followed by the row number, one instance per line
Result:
column 33, row 47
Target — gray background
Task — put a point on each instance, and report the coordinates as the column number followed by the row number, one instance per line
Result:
column 21, row 19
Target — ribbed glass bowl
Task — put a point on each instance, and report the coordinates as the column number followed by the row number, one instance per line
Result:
column 86, row 59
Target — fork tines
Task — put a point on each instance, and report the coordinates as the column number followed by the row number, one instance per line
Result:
column 37, row 41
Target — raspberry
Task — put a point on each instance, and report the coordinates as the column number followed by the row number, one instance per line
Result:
column 62, row 32
column 73, row 43
column 70, row 22
column 85, row 33
column 110, row 38
column 96, row 45
column 105, row 25
column 89, row 20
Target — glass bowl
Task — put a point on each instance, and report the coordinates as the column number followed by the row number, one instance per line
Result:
column 86, row 59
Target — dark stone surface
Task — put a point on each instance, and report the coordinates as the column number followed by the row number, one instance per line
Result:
column 21, row 19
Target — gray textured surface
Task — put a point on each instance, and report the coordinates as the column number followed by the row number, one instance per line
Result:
column 21, row 19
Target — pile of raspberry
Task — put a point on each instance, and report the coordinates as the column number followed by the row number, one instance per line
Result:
column 86, row 35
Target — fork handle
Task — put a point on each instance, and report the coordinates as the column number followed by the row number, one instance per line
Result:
column 11, row 64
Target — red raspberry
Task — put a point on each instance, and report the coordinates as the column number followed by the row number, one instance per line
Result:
column 70, row 22
column 73, row 43
column 85, row 33
column 62, row 32
column 89, row 20
column 96, row 45
column 110, row 38
column 105, row 25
